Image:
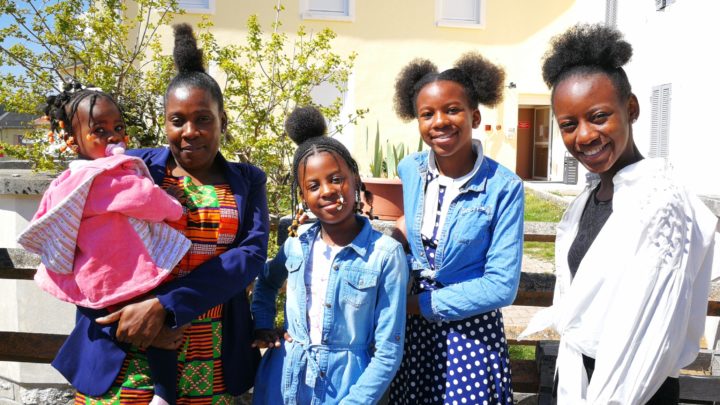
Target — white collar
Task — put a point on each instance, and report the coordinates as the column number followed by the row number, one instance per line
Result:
column 446, row 181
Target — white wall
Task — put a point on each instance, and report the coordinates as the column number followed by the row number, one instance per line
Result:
column 678, row 45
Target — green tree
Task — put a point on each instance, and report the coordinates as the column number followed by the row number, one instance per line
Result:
column 115, row 45
column 110, row 44
column 266, row 77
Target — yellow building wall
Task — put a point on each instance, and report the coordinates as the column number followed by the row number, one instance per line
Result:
column 388, row 34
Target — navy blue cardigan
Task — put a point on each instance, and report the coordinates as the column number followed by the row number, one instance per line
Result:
column 91, row 358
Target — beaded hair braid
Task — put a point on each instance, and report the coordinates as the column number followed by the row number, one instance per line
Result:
column 62, row 108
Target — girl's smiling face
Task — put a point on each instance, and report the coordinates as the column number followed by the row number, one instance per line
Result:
column 446, row 119
column 323, row 178
column 94, row 130
column 595, row 124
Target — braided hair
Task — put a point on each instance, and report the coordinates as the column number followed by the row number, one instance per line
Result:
column 306, row 127
column 482, row 80
column 587, row 49
column 190, row 65
column 62, row 108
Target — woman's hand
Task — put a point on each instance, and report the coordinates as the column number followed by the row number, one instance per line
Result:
column 139, row 323
column 270, row 338
column 413, row 305
column 170, row 339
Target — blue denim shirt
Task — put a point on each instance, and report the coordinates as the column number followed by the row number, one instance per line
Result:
column 363, row 323
column 479, row 253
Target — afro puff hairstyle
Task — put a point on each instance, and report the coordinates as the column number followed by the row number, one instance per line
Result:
column 306, row 127
column 482, row 80
column 587, row 49
column 189, row 63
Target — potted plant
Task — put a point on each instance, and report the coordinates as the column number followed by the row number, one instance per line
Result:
column 384, row 186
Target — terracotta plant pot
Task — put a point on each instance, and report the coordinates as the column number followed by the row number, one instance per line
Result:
column 387, row 201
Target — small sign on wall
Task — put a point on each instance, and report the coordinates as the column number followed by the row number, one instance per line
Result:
column 523, row 124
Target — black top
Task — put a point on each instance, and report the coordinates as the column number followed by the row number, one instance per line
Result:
column 594, row 216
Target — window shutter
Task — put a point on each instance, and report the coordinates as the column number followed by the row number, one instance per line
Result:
column 611, row 13
column 660, row 117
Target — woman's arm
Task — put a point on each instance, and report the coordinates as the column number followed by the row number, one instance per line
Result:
column 213, row 282
column 660, row 307
column 222, row 277
column 389, row 332
column 498, row 286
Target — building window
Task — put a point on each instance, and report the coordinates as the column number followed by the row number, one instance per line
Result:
column 611, row 13
column 197, row 6
column 660, row 117
column 460, row 13
column 340, row 10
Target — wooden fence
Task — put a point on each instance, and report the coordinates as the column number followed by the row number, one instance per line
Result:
column 529, row 376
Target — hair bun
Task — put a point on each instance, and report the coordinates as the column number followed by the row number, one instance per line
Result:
column 305, row 123
column 187, row 56
column 488, row 79
column 405, row 84
column 585, row 45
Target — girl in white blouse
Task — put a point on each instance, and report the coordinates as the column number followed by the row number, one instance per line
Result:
column 633, row 251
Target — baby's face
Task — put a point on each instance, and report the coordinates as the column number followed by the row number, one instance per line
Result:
column 94, row 130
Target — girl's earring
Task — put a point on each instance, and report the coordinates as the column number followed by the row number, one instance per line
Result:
column 357, row 200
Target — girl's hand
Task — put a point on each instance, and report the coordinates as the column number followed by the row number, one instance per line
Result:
column 270, row 338
column 139, row 323
column 170, row 339
column 413, row 305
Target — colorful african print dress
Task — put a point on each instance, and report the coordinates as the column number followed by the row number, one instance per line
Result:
column 452, row 362
column 210, row 221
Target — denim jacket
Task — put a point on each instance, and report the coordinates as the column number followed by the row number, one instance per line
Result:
column 363, row 324
column 479, row 253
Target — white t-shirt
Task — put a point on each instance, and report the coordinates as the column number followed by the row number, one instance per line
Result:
column 452, row 189
column 317, row 275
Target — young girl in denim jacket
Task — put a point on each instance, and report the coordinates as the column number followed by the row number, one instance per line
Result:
column 464, row 225
column 346, row 288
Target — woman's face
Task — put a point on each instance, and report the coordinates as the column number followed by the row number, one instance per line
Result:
column 595, row 124
column 193, row 124
column 323, row 179
column 93, row 132
column 446, row 119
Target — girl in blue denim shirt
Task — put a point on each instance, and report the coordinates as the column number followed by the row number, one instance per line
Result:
column 346, row 288
column 464, row 225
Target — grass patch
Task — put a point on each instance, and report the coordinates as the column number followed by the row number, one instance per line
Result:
column 518, row 352
column 540, row 250
column 540, row 210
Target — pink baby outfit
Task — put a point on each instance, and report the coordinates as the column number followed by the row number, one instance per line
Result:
column 100, row 235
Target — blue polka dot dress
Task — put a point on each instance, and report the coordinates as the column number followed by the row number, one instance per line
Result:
column 455, row 362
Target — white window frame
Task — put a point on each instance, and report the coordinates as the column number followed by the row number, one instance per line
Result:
column 440, row 21
column 660, row 103
column 210, row 9
column 307, row 14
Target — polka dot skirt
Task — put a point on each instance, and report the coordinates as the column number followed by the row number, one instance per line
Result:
column 458, row 362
